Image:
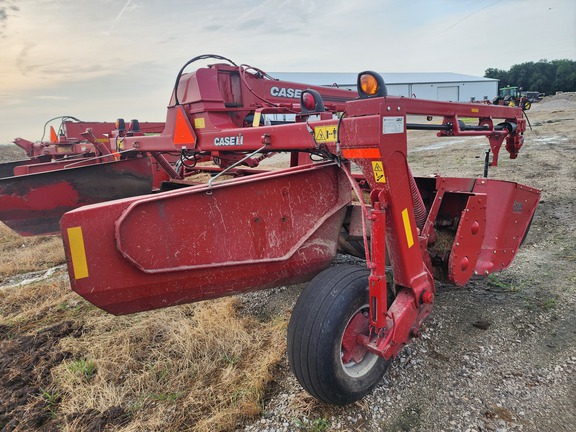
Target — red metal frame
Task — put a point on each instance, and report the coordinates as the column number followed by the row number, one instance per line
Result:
column 270, row 229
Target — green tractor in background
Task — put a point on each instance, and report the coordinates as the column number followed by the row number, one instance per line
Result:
column 511, row 96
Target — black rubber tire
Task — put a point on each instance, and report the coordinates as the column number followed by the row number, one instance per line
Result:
column 315, row 332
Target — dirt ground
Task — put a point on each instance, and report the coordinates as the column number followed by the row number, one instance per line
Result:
column 497, row 355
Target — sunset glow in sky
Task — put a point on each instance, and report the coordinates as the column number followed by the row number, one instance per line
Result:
column 102, row 59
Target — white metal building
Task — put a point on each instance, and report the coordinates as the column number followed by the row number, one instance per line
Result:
column 443, row 86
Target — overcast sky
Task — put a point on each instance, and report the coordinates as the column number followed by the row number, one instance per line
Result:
column 103, row 59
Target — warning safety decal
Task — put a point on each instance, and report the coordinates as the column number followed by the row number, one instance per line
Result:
column 326, row 133
column 378, row 168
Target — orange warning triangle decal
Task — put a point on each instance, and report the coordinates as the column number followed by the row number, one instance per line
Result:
column 53, row 136
column 183, row 132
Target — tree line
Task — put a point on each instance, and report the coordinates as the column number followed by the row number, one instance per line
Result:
column 543, row 76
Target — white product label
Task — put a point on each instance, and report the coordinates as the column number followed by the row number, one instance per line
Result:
column 392, row 125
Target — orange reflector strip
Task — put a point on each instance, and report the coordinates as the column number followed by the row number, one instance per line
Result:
column 53, row 136
column 475, row 110
column 77, row 252
column 407, row 228
column 183, row 132
column 365, row 153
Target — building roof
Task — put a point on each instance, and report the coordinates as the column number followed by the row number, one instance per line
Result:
column 349, row 79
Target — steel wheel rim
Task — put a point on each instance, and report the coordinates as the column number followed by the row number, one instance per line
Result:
column 352, row 368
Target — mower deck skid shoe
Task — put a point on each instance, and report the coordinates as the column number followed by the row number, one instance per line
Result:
column 203, row 242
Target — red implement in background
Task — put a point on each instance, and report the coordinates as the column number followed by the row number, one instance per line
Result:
column 35, row 193
column 69, row 140
column 33, row 204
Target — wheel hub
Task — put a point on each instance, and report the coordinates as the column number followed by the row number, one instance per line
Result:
column 351, row 349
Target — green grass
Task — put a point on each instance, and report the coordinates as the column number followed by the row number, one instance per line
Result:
column 82, row 368
column 230, row 359
column 51, row 399
column 317, row 425
column 493, row 280
column 320, row 425
column 549, row 303
column 167, row 397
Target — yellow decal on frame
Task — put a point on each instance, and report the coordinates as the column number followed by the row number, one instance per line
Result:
column 199, row 123
column 78, row 252
column 378, row 168
column 323, row 134
column 407, row 228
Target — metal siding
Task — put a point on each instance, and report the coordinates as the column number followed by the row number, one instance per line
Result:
column 447, row 93
column 425, row 91
column 398, row 90
column 478, row 90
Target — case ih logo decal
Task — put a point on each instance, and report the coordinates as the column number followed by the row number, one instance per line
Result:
column 229, row 141
column 285, row 92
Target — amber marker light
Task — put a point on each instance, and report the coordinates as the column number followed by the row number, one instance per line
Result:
column 370, row 84
column 120, row 124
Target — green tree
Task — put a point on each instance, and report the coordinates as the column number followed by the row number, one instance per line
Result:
column 543, row 76
column 498, row 74
column 565, row 75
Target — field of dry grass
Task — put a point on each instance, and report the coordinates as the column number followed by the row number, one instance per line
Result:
column 67, row 365
column 25, row 254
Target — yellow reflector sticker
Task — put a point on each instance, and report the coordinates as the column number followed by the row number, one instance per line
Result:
column 199, row 123
column 257, row 117
column 77, row 252
column 407, row 228
column 475, row 110
column 378, row 168
column 326, row 133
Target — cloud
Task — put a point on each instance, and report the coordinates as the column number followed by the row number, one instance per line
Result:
column 470, row 15
column 99, row 57
column 119, row 16
column 6, row 10
column 21, row 59
column 11, row 99
column 53, row 97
